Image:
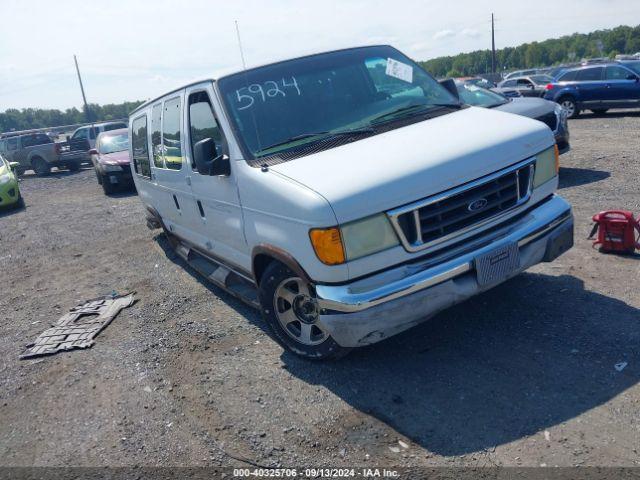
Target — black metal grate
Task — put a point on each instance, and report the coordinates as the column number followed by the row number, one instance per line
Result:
column 550, row 119
column 466, row 209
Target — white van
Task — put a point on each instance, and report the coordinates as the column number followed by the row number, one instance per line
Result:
column 347, row 194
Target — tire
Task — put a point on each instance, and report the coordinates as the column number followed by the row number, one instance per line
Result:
column 569, row 106
column 106, row 186
column 40, row 166
column 98, row 176
column 73, row 167
column 289, row 309
column 20, row 202
column 600, row 111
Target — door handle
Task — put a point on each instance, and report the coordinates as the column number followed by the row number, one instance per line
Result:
column 188, row 180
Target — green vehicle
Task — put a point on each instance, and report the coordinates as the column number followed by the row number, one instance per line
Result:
column 9, row 188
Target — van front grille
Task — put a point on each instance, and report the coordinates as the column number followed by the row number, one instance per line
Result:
column 454, row 212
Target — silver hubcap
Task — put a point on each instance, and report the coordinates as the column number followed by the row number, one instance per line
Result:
column 568, row 107
column 297, row 312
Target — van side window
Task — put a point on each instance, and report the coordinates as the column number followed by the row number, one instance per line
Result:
column 12, row 144
column 202, row 122
column 171, row 145
column 156, row 137
column 139, row 147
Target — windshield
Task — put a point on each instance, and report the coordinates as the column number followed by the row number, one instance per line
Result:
column 480, row 97
column 114, row 143
column 293, row 103
column 541, row 79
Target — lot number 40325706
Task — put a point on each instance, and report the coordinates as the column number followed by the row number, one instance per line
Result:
column 248, row 95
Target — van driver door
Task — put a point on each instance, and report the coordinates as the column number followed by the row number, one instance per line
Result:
column 216, row 197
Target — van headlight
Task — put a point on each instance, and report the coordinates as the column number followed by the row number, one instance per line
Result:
column 547, row 166
column 353, row 240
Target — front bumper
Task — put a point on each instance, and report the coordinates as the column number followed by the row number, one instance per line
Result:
column 377, row 307
column 120, row 177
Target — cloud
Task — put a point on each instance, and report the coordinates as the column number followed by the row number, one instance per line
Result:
column 470, row 32
column 444, row 34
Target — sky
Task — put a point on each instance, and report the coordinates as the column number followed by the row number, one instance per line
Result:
column 136, row 50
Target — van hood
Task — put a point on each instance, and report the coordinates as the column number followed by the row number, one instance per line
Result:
column 392, row 169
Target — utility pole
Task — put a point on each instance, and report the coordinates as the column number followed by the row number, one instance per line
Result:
column 84, row 98
column 493, row 47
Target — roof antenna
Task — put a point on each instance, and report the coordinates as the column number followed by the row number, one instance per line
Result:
column 246, row 81
column 244, row 65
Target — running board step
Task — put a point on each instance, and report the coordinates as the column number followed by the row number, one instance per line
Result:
column 219, row 275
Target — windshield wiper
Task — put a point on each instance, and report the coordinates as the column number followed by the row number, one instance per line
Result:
column 412, row 110
column 320, row 135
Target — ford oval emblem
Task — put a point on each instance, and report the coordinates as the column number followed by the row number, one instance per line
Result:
column 478, row 204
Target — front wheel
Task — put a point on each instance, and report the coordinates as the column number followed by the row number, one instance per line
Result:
column 569, row 106
column 290, row 308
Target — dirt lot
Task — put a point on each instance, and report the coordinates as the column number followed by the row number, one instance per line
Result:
column 522, row 375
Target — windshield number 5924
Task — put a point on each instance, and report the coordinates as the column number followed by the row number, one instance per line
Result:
column 246, row 96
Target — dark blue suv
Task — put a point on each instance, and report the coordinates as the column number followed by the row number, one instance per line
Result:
column 597, row 87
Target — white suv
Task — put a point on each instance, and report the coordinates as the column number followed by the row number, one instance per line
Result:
column 346, row 194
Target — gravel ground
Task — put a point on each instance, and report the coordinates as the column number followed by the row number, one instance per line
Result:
column 521, row 376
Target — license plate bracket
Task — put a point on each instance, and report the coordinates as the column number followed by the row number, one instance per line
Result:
column 496, row 265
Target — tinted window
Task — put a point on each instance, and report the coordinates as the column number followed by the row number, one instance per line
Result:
column 114, row 126
column 172, row 147
column 202, row 123
column 38, row 139
column 617, row 73
column 12, row 144
column 589, row 74
column 568, row 77
column 93, row 133
column 523, row 82
column 82, row 133
column 156, row 137
column 139, row 146
column 509, row 83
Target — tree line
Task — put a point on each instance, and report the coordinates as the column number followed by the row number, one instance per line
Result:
column 28, row 118
column 570, row 48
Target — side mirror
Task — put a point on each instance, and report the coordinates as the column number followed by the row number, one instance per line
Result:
column 93, row 151
column 13, row 165
column 450, row 85
column 208, row 162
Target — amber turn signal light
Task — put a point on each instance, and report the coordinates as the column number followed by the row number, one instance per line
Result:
column 557, row 152
column 327, row 244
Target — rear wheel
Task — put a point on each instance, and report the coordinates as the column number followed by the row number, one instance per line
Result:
column 40, row 166
column 600, row 111
column 290, row 308
column 568, row 104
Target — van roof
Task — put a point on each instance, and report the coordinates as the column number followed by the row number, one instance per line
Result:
column 239, row 68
